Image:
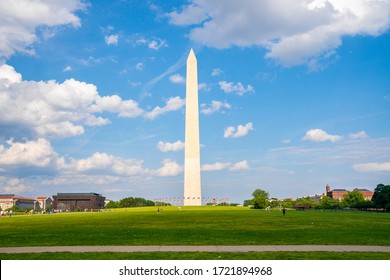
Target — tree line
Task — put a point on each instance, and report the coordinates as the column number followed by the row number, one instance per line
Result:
column 134, row 202
column 353, row 199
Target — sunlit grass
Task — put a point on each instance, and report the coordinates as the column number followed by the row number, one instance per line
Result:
column 196, row 226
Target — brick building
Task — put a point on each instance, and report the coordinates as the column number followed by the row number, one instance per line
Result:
column 74, row 201
column 367, row 194
column 340, row 193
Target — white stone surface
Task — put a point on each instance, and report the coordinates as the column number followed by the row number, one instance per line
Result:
column 192, row 189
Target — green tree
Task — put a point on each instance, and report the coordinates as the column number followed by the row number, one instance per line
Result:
column 327, row 202
column 260, row 192
column 260, row 199
column 247, row 202
column 149, row 203
column 307, row 202
column 112, row 204
column 275, row 203
column 365, row 204
column 126, row 202
column 137, row 202
column 287, row 203
column 353, row 199
column 381, row 196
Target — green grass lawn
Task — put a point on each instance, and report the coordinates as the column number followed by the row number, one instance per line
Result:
column 196, row 226
column 200, row 256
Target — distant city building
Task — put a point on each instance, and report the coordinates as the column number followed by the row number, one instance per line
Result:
column 74, row 201
column 10, row 200
column 316, row 197
column 336, row 193
column 367, row 194
column 44, row 202
column 340, row 193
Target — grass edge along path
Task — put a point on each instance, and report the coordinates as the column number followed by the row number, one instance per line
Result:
column 265, row 248
column 199, row 256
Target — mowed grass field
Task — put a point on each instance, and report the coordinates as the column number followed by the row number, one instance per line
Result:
column 196, row 226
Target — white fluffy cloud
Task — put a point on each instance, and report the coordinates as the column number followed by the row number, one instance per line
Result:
column 102, row 163
column 20, row 19
column 157, row 44
column 9, row 76
column 67, row 68
column 204, row 87
column 216, row 72
column 242, row 165
column 218, row 166
column 82, row 179
column 139, row 66
column 239, row 88
column 169, row 168
column 177, row 79
column 318, row 135
column 214, row 107
column 112, row 39
column 44, row 109
column 170, row 147
column 108, row 165
column 358, row 135
column 172, row 104
column 37, row 153
column 41, row 155
column 13, row 186
column 115, row 104
column 372, row 167
column 292, row 31
column 154, row 44
column 240, row 131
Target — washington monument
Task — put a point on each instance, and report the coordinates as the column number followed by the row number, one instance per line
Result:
column 192, row 193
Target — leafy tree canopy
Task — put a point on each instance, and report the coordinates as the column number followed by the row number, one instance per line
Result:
column 260, row 193
column 329, row 203
column 353, row 199
column 260, row 199
column 287, row 203
column 247, row 202
column 307, row 202
column 130, row 202
column 381, row 196
column 112, row 204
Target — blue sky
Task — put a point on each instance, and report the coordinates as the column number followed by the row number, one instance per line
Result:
column 293, row 95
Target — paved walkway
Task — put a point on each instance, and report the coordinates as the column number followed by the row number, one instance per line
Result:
column 261, row 248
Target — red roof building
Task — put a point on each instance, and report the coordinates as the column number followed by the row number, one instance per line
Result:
column 340, row 193
column 10, row 200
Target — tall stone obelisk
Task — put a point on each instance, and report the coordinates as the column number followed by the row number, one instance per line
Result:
column 192, row 193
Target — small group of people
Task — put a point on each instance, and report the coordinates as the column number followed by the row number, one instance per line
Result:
column 5, row 213
column 269, row 207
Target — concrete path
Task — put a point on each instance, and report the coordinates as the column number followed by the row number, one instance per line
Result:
column 261, row 248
